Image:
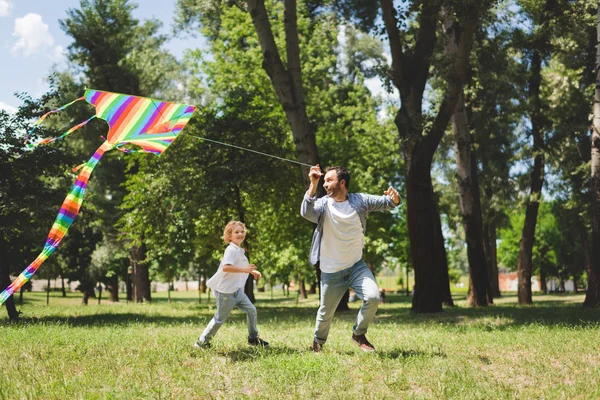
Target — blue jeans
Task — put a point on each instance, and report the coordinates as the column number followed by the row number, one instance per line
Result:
column 225, row 303
column 333, row 286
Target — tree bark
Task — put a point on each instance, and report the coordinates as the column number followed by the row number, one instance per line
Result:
column 543, row 280
column 470, row 207
column 5, row 282
column 410, row 75
column 62, row 285
column 441, row 258
column 302, row 289
column 489, row 241
column 287, row 82
column 48, row 289
column 113, row 289
column 524, row 266
column 141, row 277
column 592, row 295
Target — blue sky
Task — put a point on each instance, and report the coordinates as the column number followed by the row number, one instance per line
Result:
column 31, row 41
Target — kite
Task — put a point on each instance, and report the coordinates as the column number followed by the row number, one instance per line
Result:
column 148, row 123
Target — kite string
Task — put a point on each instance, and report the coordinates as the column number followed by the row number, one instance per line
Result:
column 250, row 150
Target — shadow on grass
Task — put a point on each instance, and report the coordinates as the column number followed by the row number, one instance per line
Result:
column 555, row 310
column 106, row 319
column 247, row 353
column 399, row 353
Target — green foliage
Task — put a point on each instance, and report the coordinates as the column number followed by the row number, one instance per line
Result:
column 555, row 253
column 30, row 193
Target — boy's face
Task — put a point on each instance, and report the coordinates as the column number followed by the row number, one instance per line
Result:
column 238, row 234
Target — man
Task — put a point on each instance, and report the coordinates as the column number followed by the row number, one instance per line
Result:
column 338, row 243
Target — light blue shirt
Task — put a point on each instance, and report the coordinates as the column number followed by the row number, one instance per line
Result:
column 313, row 209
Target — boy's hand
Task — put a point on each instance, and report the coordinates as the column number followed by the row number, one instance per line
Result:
column 256, row 274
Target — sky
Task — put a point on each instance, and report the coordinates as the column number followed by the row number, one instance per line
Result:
column 31, row 42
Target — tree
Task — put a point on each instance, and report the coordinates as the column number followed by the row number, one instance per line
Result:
column 410, row 71
column 113, row 51
column 470, row 207
column 592, row 297
column 29, row 197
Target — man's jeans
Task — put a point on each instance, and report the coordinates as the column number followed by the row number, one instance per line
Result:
column 225, row 303
column 334, row 285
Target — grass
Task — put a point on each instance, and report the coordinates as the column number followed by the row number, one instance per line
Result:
column 133, row 351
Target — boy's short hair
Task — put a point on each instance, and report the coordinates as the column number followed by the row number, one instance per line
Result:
column 229, row 230
column 342, row 174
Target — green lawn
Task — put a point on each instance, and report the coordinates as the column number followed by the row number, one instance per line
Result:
column 144, row 351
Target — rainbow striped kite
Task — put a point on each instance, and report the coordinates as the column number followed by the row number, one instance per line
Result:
column 148, row 123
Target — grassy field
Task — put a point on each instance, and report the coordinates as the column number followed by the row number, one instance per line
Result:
column 144, row 351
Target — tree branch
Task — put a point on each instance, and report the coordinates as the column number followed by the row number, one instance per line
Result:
column 293, row 50
column 391, row 25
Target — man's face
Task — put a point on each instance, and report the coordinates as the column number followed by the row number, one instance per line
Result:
column 331, row 185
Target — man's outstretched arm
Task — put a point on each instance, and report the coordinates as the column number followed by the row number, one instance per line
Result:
column 388, row 201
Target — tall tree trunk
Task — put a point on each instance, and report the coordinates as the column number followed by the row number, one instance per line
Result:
column 410, row 75
column 543, row 282
column 441, row 258
column 313, row 288
column 249, row 285
column 524, row 266
column 62, row 284
column 592, row 295
column 287, row 82
column 5, row 282
column 48, row 290
column 429, row 292
column 302, row 288
column 141, row 276
column 489, row 242
column 113, row 289
column 129, row 283
column 470, row 207
column 249, row 288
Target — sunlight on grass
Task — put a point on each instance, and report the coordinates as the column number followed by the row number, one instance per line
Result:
column 127, row 351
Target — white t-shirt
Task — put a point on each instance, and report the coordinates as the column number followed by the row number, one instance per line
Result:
column 343, row 237
column 229, row 282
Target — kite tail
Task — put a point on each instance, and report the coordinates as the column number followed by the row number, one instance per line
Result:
column 64, row 219
column 43, row 117
column 49, row 140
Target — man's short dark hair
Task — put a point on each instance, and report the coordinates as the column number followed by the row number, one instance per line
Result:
column 342, row 174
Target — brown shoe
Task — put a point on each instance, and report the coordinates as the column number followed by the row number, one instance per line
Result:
column 316, row 347
column 363, row 343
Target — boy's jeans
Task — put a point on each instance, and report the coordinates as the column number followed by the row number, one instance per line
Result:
column 225, row 303
column 334, row 285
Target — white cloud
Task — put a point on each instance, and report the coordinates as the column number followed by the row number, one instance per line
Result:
column 32, row 33
column 5, row 7
column 58, row 53
column 7, row 107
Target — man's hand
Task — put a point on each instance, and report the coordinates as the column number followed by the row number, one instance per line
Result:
column 314, row 175
column 393, row 193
